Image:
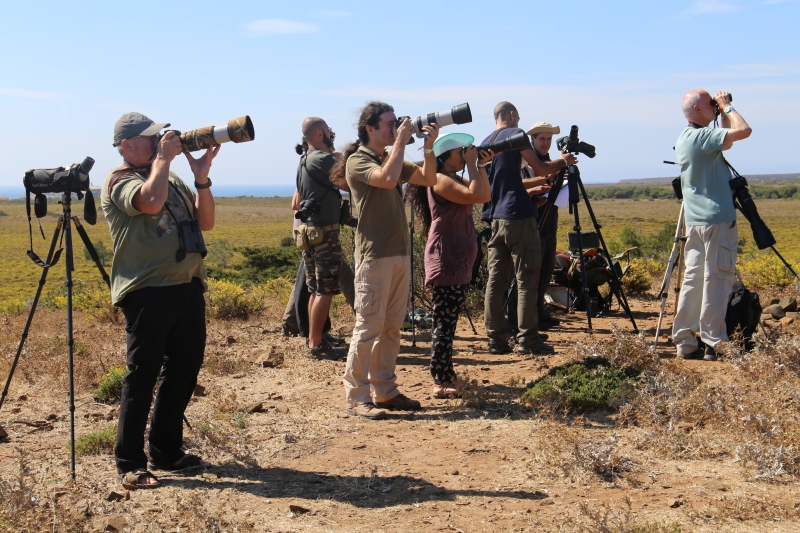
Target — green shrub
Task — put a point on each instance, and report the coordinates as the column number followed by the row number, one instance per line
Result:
column 109, row 388
column 13, row 306
column 105, row 254
column 287, row 242
column 96, row 442
column 589, row 385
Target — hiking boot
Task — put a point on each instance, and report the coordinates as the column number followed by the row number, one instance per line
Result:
column 324, row 350
column 710, row 354
column 367, row 410
column 548, row 320
column 696, row 354
column 534, row 345
column 499, row 345
column 402, row 402
column 289, row 330
column 336, row 342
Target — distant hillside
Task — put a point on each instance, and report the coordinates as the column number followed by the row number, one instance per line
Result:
column 667, row 181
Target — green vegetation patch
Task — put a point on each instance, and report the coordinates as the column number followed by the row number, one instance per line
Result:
column 109, row 387
column 589, row 385
column 96, row 442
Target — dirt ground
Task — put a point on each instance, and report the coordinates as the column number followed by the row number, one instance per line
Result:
column 302, row 464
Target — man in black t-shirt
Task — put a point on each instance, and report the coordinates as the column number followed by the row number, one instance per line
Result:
column 322, row 260
column 514, row 246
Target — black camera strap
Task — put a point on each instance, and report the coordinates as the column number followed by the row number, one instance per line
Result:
column 34, row 257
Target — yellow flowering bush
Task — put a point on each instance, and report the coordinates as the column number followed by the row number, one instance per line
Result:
column 763, row 270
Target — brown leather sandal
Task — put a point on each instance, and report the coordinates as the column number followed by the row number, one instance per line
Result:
column 134, row 480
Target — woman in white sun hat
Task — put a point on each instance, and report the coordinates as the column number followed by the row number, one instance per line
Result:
column 446, row 213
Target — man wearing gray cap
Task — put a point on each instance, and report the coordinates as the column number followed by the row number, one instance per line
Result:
column 158, row 279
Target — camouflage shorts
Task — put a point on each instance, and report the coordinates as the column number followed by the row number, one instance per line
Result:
column 322, row 265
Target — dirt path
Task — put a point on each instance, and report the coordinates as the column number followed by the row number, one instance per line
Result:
column 449, row 467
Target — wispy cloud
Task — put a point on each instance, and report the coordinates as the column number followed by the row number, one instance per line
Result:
column 25, row 93
column 264, row 27
column 331, row 13
column 703, row 7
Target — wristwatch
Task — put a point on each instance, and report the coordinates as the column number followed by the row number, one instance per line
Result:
column 730, row 109
column 205, row 185
column 427, row 150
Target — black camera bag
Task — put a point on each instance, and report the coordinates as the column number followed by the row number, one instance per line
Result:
column 744, row 311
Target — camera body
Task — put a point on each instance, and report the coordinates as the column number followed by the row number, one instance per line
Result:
column 307, row 208
column 74, row 178
column 571, row 143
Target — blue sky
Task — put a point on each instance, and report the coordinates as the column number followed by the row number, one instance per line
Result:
column 68, row 70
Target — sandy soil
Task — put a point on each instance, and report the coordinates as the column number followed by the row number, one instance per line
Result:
column 302, row 464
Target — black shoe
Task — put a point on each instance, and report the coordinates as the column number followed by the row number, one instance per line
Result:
column 534, row 345
column 336, row 342
column 710, row 353
column 324, row 350
column 499, row 345
column 548, row 319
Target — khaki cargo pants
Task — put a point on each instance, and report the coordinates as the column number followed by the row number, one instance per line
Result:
column 707, row 285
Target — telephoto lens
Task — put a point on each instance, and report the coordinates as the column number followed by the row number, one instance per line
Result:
column 518, row 141
column 459, row 114
column 238, row 130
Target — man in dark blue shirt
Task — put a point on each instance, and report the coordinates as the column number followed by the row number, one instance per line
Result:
column 514, row 246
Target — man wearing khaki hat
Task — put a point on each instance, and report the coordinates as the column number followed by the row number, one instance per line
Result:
column 158, row 279
column 542, row 138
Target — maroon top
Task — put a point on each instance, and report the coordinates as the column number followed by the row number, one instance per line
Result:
column 452, row 242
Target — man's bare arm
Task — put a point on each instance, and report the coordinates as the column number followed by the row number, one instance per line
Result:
column 547, row 167
column 738, row 128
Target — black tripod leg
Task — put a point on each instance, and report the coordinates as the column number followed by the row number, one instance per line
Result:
column 42, row 280
column 785, row 263
column 616, row 285
column 584, row 281
column 91, row 250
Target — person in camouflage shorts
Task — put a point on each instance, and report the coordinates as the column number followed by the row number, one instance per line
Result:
column 322, row 263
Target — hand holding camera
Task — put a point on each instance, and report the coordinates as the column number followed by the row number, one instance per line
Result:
column 471, row 155
column 571, row 158
column 169, row 145
column 202, row 165
column 485, row 157
column 403, row 134
column 430, row 133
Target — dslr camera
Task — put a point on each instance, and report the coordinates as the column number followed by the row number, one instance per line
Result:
column 307, row 208
column 459, row 114
column 571, row 143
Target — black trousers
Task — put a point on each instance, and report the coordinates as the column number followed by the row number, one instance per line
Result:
column 548, row 237
column 166, row 329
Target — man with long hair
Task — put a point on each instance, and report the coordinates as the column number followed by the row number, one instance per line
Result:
column 375, row 177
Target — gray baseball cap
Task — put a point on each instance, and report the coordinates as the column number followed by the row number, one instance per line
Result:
column 135, row 124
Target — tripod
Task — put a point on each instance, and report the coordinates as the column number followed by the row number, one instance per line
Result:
column 576, row 190
column 64, row 229
column 675, row 254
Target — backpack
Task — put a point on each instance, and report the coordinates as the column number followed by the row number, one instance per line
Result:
column 744, row 311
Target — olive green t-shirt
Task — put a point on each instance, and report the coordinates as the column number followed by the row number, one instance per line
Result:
column 382, row 225
column 145, row 245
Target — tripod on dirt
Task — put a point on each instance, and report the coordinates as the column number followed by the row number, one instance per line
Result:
column 64, row 231
column 576, row 189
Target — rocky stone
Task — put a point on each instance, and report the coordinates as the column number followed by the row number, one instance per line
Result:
column 199, row 390
column 114, row 497
column 3, row 433
column 15, row 410
column 789, row 304
column 297, row 509
column 793, row 314
column 282, row 407
column 766, row 316
column 23, row 398
column 267, row 359
column 51, row 417
column 82, row 507
column 775, row 310
column 230, row 339
column 255, row 407
column 674, row 504
column 115, row 523
column 774, row 301
column 785, row 321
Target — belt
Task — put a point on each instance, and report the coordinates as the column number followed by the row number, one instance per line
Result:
column 323, row 229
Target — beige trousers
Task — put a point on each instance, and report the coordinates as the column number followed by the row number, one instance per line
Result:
column 381, row 300
column 707, row 284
